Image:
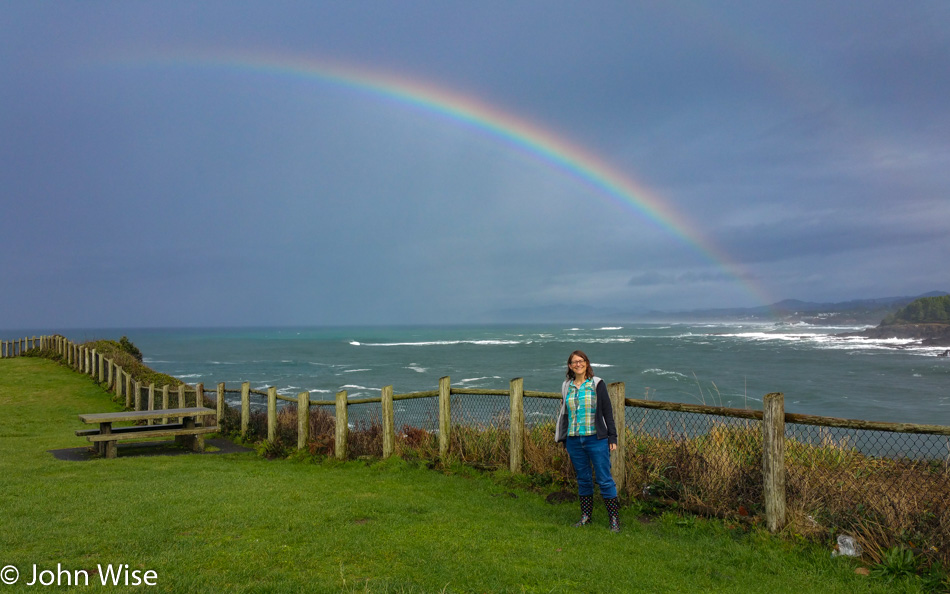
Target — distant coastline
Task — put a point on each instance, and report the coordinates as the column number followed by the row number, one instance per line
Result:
column 856, row 312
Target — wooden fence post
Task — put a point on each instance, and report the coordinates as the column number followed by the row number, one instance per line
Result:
column 342, row 425
column 245, row 407
column 516, row 424
column 181, row 400
column 109, row 366
column 303, row 419
column 128, row 390
column 618, row 393
column 389, row 424
column 137, row 397
column 219, row 405
column 271, row 414
column 165, row 391
column 151, row 400
column 773, row 460
column 118, row 382
column 445, row 415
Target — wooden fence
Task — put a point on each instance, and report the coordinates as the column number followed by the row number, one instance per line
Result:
column 772, row 419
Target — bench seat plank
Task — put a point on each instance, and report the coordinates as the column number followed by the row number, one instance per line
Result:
column 132, row 429
column 145, row 434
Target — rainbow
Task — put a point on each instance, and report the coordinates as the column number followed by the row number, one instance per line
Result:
column 555, row 151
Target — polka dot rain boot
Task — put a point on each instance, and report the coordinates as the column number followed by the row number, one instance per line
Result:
column 613, row 514
column 587, row 510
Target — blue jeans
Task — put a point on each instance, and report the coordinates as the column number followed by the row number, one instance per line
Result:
column 591, row 457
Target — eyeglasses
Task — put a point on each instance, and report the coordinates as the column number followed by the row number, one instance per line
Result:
column 577, row 362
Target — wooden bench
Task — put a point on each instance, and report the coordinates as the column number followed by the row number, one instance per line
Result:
column 187, row 432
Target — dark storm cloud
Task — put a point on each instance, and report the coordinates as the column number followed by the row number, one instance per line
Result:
column 805, row 143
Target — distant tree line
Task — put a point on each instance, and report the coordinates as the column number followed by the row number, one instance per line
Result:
column 926, row 310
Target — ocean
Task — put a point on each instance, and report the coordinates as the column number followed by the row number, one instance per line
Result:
column 727, row 364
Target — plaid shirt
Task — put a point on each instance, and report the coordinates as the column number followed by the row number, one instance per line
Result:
column 581, row 403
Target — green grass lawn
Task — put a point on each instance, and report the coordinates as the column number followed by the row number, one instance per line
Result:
column 238, row 522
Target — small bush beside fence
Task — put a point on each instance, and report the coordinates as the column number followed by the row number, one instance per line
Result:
column 886, row 484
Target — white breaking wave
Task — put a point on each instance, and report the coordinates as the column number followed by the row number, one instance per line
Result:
column 477, row 379
column 826, row 340
column 486, row 342
column 610, row 328
column 662, row 372
column 355, row 370
column 416, row 368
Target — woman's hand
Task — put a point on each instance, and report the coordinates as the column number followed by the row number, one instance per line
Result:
column 613, row 447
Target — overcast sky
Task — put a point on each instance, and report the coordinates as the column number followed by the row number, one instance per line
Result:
column 787, row 149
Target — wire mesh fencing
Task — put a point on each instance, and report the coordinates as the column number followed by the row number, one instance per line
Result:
column 697, row 460
column 887, row 488
column 480, row 429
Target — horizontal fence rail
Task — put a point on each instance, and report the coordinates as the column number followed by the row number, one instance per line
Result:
column 820, row 473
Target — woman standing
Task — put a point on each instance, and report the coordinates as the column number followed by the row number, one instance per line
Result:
column 586, row 426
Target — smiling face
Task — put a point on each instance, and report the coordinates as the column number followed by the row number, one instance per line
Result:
column 578, row 365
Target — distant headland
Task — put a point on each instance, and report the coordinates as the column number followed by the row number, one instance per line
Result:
column 926, row 319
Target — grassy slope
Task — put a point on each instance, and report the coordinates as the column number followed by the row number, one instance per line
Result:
column 241, row 523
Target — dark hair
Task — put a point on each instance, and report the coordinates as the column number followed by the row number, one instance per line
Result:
column 570, row 372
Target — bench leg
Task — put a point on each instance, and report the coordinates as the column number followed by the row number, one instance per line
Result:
column 195, row 443
column 111, row 450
